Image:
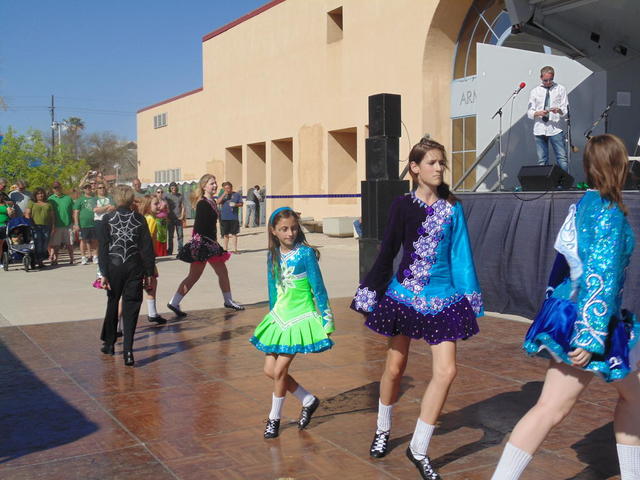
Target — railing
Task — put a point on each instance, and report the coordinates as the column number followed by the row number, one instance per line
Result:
column 473, row 166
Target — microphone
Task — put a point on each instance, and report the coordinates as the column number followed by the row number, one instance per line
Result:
column 520, row 87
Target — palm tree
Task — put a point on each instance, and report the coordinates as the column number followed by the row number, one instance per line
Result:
column 74, row 126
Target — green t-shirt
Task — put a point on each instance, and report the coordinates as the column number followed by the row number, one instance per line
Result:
column 42, row 213
column 62, row 207
column 4, row 215
column 85, row 206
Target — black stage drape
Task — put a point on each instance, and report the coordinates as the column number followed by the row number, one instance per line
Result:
column 512, row 235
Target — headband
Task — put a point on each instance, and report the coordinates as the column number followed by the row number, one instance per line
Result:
column 277, row 211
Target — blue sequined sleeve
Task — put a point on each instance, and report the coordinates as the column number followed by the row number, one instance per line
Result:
column 271, row 284
column 463, row 271
column 317, row 286
column 599, row 285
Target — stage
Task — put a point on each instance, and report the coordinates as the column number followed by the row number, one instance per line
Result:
column 512, row 235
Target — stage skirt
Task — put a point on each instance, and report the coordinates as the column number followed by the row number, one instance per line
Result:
column 552, row 330
column 455, row 322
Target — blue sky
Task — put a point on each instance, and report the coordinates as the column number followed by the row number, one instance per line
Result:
column 103, row 60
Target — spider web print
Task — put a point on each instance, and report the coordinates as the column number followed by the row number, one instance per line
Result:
column 124, row 242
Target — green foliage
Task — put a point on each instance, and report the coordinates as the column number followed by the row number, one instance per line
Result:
column 26, row 157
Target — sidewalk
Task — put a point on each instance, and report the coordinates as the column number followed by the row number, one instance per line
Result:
column 64, row 293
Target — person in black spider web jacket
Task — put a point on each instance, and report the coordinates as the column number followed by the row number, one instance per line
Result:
column 126, row 261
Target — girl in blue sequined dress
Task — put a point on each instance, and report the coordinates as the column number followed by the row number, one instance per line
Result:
column 581, row 325
column 432, row 296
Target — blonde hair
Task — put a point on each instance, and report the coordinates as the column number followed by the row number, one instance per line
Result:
column 198, row 193
column 547, row 69
column 123, row 196
column 606, row 164
column 146, row 204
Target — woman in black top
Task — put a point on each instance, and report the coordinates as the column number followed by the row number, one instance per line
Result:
column 205, row 248
column 127, row 261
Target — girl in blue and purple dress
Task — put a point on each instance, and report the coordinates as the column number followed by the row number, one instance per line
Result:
column 433, row 295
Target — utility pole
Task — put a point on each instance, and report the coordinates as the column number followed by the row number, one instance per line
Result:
column 52, row 109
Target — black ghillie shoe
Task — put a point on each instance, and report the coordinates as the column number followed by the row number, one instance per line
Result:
column 233, row 305
column 176, row 310
column 307, row 412
column 128, row 358
column 424, row 466
column 380, row 445
column 157, row 319
column 272, row 429
column 107, row 349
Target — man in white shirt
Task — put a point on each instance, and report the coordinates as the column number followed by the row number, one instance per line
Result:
column 548, row 107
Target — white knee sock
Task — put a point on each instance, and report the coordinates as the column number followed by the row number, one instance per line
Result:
column 305, row 397
column 276, row 407
column 629, row 459
column 421, row 438
column 151, row 307
column 512, row 463
column 226, row 296
column 384, row 417
column 177, row 298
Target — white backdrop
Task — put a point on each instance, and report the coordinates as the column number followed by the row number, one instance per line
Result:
column 500, row 71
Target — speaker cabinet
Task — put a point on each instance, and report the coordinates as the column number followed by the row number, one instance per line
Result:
column 633, row 177
column 384, row 115
column 382, row 158
column 376, row 200
column 544, row 177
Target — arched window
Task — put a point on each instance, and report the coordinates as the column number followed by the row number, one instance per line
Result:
column 486, row 22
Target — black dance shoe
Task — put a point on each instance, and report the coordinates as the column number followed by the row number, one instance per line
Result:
column 307, row 412
column 157, row 319
column 128, row 358
column 176, row 310
column 107, row 349
column 380, row 445
column 272, row 429
column 424, row 466
column 233, row 305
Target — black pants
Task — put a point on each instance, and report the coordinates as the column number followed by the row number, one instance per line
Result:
column 174, row 225
column 126, row 283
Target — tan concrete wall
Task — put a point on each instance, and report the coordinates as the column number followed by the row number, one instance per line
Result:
column 275, row 76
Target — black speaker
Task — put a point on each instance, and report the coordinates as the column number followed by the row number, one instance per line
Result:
column 384, row 115
column 633, row 177
column 382, row 158
column 544, row 177
column 376, row 199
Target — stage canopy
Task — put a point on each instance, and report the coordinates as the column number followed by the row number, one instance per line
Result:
column 601, row 34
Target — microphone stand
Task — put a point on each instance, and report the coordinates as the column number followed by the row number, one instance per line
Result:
column 605, row 115
column 500, row 154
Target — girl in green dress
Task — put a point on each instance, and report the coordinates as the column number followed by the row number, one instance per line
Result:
column 300, row 318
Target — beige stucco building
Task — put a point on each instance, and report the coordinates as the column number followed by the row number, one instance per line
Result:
column 284, row 95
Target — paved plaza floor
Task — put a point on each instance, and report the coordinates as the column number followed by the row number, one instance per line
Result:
column 195, row 404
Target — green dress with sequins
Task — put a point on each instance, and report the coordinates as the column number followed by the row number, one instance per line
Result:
column 300, row 319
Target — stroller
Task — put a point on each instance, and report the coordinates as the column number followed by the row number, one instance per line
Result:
column 19, row 246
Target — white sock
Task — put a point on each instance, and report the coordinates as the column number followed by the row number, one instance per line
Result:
column 305, row 397
column 276, row 407
column 226, row 296
column 512, row 463
column 151, row 307
column 177, row 298
column 629, row 459
column 421, row 438
column 384, row 417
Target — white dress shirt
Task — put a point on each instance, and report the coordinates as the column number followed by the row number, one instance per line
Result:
column 557, row 99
